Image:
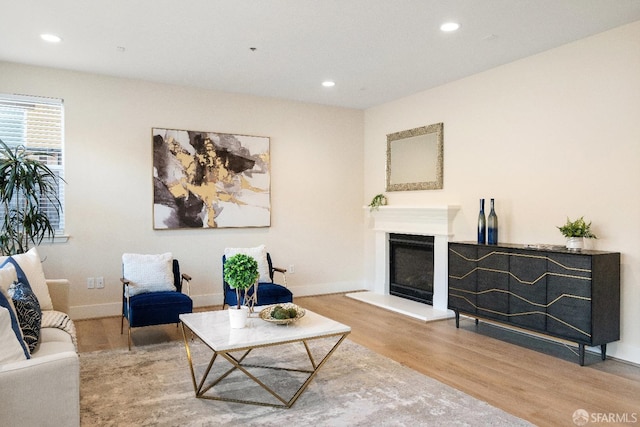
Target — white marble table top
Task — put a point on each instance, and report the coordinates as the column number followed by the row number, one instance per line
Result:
column 213, row 328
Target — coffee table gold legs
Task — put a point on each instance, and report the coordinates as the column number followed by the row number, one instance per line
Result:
column 237, row 364
column 316, row 367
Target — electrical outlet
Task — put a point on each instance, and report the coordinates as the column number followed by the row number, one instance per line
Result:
column 91, row 283
column 291, row 269
column 100, row 282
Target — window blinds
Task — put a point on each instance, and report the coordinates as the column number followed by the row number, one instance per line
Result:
column 37, row 123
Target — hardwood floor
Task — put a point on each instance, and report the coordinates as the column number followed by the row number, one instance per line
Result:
column 545, row 388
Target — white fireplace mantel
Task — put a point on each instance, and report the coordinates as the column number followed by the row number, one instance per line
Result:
column 433, row 221
column 426, row 220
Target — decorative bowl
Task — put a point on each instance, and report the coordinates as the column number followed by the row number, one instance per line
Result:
column 265, row 313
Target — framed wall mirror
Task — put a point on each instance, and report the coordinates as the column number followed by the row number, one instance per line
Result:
column 414, row 159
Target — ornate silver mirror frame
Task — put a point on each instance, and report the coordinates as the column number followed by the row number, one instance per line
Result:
column 414, row 159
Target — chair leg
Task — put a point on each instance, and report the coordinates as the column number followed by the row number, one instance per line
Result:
column 128, row 330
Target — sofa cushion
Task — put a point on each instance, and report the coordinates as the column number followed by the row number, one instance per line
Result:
column 54, row 335
column 13, row 348
column 259, row 253
column 29, row 269
column 58, row 326
column 157, row 308
column 148, row 273
column 47, row 348
column 28, row 311
column 268, row 293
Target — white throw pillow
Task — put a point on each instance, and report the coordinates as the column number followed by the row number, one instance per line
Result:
column 10, row 350
column 8, row 275
column 148, row 273
column 31, row 265
column 259, row 253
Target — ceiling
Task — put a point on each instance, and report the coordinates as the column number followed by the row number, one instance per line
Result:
column 375, row 50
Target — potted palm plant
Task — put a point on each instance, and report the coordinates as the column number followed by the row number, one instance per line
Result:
column 240, row 272
column 575, row 232
column 27, row 186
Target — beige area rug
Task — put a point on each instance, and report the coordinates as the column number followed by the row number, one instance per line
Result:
column 152, row 386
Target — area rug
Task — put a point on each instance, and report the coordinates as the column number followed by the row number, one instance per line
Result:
column 152, row 386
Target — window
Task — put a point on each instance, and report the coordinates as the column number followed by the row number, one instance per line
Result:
column 37, row 124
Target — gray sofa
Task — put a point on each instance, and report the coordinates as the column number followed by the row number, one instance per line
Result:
column 44, row 390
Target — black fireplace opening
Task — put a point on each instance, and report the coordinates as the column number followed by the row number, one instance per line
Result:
column 411, row 267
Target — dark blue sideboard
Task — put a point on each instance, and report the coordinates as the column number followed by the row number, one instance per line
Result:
column 570, row 295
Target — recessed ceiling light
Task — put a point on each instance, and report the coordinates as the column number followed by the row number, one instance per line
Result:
column 449, row 26
column 51, row 38
column 328, row 83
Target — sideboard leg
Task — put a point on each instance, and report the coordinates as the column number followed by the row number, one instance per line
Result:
column 457, row 318
column 603, row 351
column 581, row 351
column 477, row 321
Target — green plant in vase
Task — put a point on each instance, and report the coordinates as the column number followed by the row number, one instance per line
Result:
column 377, row 201
column 241, row 272
column 576, row 231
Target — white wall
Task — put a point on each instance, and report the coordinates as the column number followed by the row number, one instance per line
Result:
column 316, row 184
column 549, row 136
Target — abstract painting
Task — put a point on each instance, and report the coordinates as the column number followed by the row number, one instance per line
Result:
column 210, row 180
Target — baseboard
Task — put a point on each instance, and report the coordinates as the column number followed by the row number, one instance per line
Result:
column 624, row 352
column 326, row 288
column 79, row 312
column 93, row 311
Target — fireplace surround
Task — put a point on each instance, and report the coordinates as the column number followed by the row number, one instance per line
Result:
column 436, row 221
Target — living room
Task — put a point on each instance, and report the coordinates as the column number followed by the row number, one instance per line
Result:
column 549, row 136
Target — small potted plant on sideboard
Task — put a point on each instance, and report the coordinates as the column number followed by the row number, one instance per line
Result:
column 575, row 232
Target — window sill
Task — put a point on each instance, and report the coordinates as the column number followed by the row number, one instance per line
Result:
column 60, row 238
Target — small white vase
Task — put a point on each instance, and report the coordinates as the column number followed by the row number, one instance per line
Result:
column 575, row 243
column 238, row 318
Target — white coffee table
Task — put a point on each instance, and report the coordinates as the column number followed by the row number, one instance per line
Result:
column 212, row 328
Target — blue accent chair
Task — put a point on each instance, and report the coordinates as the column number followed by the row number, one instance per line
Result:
column 156, row 308
column 268, row 292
